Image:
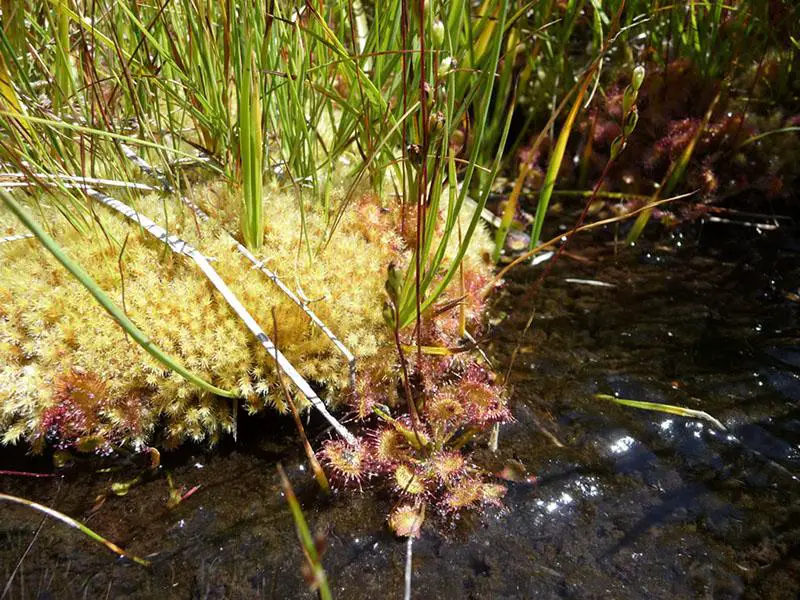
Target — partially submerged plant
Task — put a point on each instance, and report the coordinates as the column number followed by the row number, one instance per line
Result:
column 75, row 524
column 278, row 99
column 312, row 547
column 420, row 419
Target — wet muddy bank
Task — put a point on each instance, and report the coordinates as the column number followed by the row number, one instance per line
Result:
column 636, row 504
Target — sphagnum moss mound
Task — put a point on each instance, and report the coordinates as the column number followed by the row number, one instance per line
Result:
column 70, row 376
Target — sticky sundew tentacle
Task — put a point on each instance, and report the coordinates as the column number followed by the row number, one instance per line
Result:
column 389, row 447
column 349, row 463
column 471, row 491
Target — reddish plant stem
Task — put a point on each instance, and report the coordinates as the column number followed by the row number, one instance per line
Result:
column 26, row 474
column 190, row 493
column 412, row 407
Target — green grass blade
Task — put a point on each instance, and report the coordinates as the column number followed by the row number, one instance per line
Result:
column 555, row 164
column 63, row 63
column 252, row 155
column 509, row 212
column 306, row 539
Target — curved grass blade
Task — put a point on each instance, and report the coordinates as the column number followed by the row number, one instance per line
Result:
column 761, row 136
column 27, row 120
column 118, row 315
column 50, row 512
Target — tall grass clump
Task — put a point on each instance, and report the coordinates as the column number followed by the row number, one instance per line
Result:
column 717, row 75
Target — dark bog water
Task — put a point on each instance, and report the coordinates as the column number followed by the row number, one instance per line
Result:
column 635, row 504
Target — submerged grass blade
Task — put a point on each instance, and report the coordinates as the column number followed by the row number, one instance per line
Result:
column 761, row 136
column 116, row 313
column 664, row 408
column 306, row 539
column 75, row 524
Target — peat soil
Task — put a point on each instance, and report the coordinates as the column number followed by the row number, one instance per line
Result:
column 635, row 504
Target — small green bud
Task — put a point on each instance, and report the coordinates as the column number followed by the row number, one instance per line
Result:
column 617, row 146
column 628, row 100
column 394, row 283
column 457, row 140
column 637, row 78
column 630, row 121
column 388, row 314
column 438, row 33
column 448, row 64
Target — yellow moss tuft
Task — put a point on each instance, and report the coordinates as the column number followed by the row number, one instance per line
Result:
column 51, row 327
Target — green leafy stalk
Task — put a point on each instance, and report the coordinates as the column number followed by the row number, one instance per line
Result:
column 408, row 301
column 116, row 313
column 508, row 212
column 63, row 63
column 251, row 148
